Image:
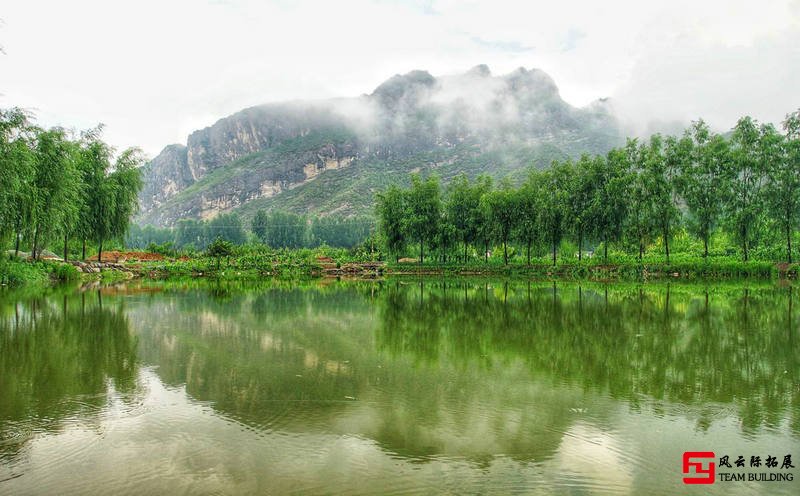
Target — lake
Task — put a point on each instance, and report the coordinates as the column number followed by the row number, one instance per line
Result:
column 401, row 386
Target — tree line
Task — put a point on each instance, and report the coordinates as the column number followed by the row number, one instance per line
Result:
column 745, row 183
column 277, row 229
column 56, row 187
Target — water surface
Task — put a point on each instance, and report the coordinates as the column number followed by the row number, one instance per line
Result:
column 427, row 387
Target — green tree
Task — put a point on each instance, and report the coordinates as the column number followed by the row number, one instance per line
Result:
column 557, row 181
column 530, row 206
column 259, row 225
column 784, row 184
column 503, row 208
column 647, row 186
column 609, row 206
column 286, row 230
column 228, row 227
column 125, row 184
column 423, row 212
column 219, row 248
column 704, row 180
column 191, row 232
column 17, row 166
column 460, row 208
column 579, row 203
column 664, row 175
column 55, row 187
column 751, row 151
column 391, row 209
column 96, row 193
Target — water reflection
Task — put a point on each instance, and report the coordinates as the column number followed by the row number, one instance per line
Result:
column 731, row 345
column 434, row 386
column 60, row 358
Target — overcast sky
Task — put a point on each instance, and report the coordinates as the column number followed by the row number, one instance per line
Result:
column 154, row 70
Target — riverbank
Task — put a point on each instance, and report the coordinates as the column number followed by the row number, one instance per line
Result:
column 46, row 273
column 49, row 272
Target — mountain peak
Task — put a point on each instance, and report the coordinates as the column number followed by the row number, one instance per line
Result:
column 333, row 155
column 481, row 70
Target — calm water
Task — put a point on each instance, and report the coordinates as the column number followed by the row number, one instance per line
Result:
column 395, row 387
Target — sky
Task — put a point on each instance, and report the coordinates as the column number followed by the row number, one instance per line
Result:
column 152, row 71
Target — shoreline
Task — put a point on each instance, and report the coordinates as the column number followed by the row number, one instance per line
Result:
column 51, row 272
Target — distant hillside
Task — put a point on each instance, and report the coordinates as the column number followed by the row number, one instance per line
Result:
column 333, row 155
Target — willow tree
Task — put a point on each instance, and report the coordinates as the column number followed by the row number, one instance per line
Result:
column 463, row 208
column 109, row 196
column 16, row 172
column 753, row 147
column 582, row 191
column 557, row 184
column 390, row 207
column 124, row 184
column 664, row 175
column 423, row 211
column 704, row 180
column 650, row 207
column 784, row 184
column 94, row 162
column 502, row 205
column 56, row 186
column 530, row 206
column 259, row 225
column 609, row 204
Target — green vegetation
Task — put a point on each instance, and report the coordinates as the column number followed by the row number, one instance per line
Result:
column 56, row 189
column 218, row 249
column 644, row 199
column 276, row 229
column 250, row 261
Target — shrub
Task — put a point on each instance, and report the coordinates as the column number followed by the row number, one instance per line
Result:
column 66, row 273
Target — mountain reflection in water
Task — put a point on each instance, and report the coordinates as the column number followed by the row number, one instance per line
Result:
column 394, row 386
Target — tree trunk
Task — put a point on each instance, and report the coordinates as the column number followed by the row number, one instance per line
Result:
column 35, row 241
column 789, row 243
column 486, row 251
column 100, row 251
column 529, row 252
column 705, row 246
column 421, row 254
column 580, row 245
column 83, row 250
column 666, row 242
column 744, row 242
column 641, row 250
column 554, row 250
column 65, row 247
column 465, row 252
column 505, row 251
column 605, row 250
column 16, row 246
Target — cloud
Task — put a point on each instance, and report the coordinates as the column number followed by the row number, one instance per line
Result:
column 152, row 69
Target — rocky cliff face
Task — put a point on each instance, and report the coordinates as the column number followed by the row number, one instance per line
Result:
column 165, row 176
column 265, row 151
column 261, row 176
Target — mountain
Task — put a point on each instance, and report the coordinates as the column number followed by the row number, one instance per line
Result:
column 331, row 156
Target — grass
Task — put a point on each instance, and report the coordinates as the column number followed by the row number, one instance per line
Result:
column 21, row 273
column 617, row 267
column 256, row 262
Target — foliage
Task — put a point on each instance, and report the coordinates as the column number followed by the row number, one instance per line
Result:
column 55, row 187
column 634, row 198
column 219, row 248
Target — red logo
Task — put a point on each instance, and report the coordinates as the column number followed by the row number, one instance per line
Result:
column 706, row 473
